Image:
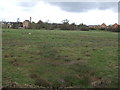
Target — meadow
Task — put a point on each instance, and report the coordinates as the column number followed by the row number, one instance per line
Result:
column 58, row 58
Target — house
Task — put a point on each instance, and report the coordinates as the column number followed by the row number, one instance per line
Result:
column 26, row 24
column 7, row 24
column 115, row 25
column 4, row 24
column 103, row 25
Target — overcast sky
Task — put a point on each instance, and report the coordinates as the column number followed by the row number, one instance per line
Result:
column 89, row 13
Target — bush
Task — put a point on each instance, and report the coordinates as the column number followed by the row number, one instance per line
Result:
column 102, row 28
column 84, row 28
column 92, row 28
column 56, row 84
column 42, row 82
column 113, row 29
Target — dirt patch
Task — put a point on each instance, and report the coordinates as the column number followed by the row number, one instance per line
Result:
column 12, row 85
column 76, row 62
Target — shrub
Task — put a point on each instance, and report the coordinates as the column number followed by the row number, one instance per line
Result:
column 102, row 28
column 84, row 28
column 42, row 82
column 56, row 84
column 92, row 28
column 113, row 29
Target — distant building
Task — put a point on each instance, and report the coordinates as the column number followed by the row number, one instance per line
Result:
column 14, row 25
column 115, row 25
column 7, row 24
column 26, row 24
column 103, row 25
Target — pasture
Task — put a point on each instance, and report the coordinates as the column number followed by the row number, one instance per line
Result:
column 56, row 58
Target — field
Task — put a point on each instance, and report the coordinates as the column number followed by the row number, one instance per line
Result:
column 56, row 58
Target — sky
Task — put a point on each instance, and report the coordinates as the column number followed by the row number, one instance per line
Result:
column 90, row 13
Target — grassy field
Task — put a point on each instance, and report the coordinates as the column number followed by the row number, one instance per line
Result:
column 56, row 58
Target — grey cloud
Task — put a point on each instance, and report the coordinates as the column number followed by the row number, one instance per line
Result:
column 28, row 4
column 86, row 6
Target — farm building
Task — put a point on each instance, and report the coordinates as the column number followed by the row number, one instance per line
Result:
column 12, row 24
column 7, row 24
column 26, row 24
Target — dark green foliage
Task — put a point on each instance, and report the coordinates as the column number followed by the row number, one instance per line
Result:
column 73, row 26
column 55, row 26
column 33, row 25
column 103, row 29
column 83, row 27
column 112, row 29
column 92, row 28
column 15, row 25
column 51, row 26
column 42, row 82
column 65, row 27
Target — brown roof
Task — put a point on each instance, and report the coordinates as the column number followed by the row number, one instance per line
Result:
column 115, row 25
column 103, row 25
column 26, row 21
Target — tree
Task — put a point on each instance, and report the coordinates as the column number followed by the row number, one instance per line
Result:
column 15, row 25
column 66, row 21
column 65, row 25
column 33, row 25
column 73, row 26
column 40, row 24
column 83, row 27
column 112, row 29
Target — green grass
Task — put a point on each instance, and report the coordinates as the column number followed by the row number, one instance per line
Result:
column 56, row 58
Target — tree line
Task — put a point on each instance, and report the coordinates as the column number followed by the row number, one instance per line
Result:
column 65, row 25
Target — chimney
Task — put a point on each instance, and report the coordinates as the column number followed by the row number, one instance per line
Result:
column 30, row 19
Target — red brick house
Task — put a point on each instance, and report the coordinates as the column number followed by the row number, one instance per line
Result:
column 115, row 25
column 103, row 25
